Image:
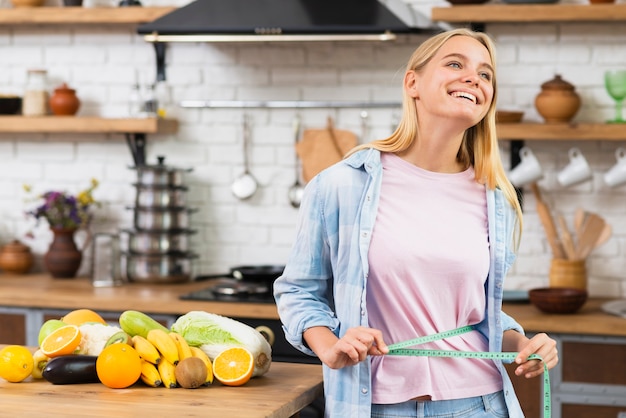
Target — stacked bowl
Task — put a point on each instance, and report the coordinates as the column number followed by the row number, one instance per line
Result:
column 157, row 249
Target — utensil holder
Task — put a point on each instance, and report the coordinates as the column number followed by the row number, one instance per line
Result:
column 568, row 273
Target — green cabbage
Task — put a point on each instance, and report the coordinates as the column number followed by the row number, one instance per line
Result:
column 214, row 333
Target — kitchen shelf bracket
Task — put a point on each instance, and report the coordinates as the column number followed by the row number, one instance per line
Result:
column 137, row 145
column 159, row 50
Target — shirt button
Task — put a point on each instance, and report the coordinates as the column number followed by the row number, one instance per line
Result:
column 364, row 391
column 364, row 234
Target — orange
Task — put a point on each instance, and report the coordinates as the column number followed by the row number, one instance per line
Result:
column 118, row 366
column 233, row 366
column 16, row 363
column 80, row 316
column 61, row 341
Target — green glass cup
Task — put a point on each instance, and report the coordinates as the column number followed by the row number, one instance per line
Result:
column 615, row 84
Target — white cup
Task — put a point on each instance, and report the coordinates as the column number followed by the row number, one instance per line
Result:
column 576, row 171
column 527, row 171
column 617, row 174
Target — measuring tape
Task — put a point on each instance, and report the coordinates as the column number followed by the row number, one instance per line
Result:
column 399, row 349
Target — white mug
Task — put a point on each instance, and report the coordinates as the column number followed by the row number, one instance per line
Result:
column 576, row 171
column 527, row 171
column 617, row 174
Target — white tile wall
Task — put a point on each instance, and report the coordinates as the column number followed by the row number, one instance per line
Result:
column 101, row 62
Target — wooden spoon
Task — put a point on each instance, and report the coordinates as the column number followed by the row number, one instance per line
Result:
column 548, row 224
column 592, row 229
column 566, row 238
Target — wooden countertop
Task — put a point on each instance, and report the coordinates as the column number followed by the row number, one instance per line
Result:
column 43, row 291
column 283, row 391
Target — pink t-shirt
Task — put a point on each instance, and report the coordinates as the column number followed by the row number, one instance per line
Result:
column 429, row 260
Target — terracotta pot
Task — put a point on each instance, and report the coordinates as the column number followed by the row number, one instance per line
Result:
column 64, row 101
column 63, row 257
column 557, row 102
column 16, row 258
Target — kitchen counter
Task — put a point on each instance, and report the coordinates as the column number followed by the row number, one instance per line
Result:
column 283, row 391
column 44, row 292
column 40, row 291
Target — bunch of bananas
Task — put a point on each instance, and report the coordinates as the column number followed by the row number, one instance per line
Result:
column 161, row 352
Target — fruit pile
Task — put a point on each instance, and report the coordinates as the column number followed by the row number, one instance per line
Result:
column 82, row 348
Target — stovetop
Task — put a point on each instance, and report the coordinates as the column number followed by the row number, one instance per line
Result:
column 210, row 294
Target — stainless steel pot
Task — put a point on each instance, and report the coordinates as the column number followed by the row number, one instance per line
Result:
column 162, row 219
column 160, row 174
column 164, row 268
column 160, row 196
column 155, row 242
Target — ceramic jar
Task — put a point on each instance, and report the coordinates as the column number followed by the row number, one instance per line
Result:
column 64, row 101
column 16, row 258
column 558, row 101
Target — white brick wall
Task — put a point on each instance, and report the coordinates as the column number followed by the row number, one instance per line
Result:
column 101, row 62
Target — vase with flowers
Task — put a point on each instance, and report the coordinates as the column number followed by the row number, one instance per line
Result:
column 65, row 214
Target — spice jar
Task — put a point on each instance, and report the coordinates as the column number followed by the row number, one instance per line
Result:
column 35, row 100
column 64, row 101
column 16, row 257
column 557, row 102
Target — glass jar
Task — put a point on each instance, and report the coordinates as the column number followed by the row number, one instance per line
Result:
column 35, row 100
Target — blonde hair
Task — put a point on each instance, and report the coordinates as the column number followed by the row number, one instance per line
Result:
column 479, row 147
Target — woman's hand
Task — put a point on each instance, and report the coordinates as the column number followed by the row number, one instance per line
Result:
column 350, row 349
column 540, row 344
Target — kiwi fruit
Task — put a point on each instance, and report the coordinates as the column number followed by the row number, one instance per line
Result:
column 190, row 373
column 119, row 337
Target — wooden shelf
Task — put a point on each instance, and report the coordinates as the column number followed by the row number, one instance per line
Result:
column 73, row 124
column 562, row 131
column 82, row 15
column 490, row 13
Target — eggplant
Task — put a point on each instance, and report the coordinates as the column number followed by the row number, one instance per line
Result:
column 71, row 369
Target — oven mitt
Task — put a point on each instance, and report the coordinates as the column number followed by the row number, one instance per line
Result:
column 321, row 148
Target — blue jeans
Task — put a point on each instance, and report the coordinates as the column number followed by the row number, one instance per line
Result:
column 486, row 406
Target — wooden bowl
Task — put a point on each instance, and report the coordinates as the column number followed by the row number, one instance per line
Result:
column 505, row 116
column 559, row 300
column 27, row 3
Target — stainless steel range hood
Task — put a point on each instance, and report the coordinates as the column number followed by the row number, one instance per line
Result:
column 279, row 20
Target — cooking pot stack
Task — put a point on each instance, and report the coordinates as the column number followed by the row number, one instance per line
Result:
column 157, row 249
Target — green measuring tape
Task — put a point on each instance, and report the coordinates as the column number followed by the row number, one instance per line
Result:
column 399, row 349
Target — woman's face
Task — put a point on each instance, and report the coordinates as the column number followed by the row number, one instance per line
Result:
column 457, row 83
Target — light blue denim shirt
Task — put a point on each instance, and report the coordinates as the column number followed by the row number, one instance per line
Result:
column 324, row 281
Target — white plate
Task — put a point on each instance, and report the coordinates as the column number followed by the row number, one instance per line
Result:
column 615, row 307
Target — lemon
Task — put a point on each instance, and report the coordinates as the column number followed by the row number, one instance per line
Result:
column 16, row 363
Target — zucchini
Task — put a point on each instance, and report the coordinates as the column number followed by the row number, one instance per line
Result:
column 71, row 369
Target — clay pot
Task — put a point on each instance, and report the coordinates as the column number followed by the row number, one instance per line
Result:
column 63, row 257
column 64, row 101
column 557, row 102
column 16, row 258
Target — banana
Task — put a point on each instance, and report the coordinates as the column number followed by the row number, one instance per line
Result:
column 167, row 371
column 184, row 351
column 146, row 349
column 149, row 374
column 138, row 323
column 165, row 344
column 197, row 352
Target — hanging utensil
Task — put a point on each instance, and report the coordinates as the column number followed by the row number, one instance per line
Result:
column 548, row 224
column 245, row 185
column 297, row 190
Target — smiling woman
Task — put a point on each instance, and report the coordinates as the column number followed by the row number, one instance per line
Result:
column 401, row 266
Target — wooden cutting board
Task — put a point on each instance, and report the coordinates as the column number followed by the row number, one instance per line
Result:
column 321, row 148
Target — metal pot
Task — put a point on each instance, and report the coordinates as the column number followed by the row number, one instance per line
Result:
column 163, row 268
column 160, row 196
column 160, row 174
column 155, row 242
column 162, row 219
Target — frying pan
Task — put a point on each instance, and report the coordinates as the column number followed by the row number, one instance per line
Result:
column 261, row 273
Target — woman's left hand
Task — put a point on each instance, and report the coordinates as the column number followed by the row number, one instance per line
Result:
column 543, row 346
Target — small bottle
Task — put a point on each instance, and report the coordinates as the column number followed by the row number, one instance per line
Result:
column 35, row 100
column 150, row 102
column 135, row 103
